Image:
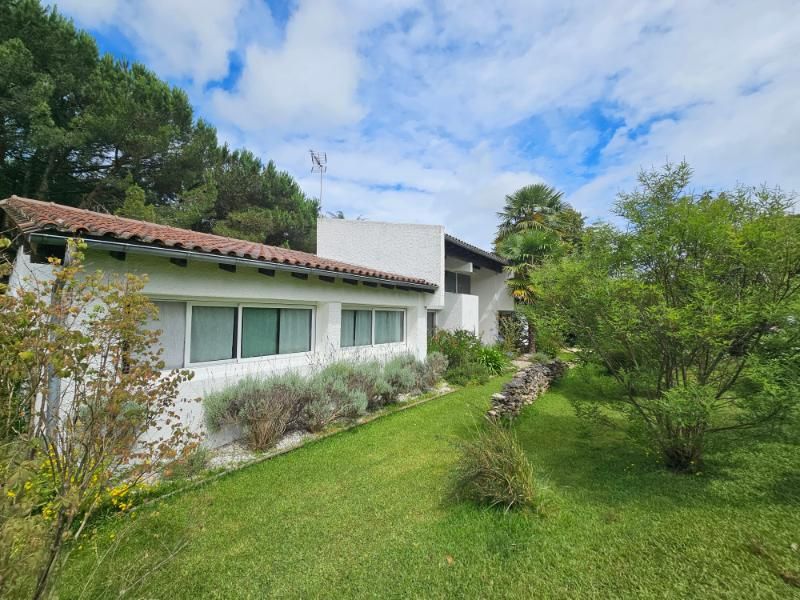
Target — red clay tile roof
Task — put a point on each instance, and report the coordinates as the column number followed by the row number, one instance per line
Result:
column 36, row 216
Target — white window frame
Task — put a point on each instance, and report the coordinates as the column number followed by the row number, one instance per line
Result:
column 372, row 310
column 239, row 306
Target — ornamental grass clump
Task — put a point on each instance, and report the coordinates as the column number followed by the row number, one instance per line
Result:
column 494, row 470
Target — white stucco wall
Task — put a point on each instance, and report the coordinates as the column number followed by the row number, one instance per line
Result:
column 206, row 282
column 405, row 249
column 461, row 311
column 25, row 274
column 493, row 296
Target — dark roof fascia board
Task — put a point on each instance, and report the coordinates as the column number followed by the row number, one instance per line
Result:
column 134, row 248
column 475, row 250
column 474, row 254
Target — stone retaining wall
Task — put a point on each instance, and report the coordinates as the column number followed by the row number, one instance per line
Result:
column 527, row 385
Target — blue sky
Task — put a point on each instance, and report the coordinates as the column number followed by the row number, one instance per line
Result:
column 434, row 111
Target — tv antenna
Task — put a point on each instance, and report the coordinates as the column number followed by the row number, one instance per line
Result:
column 319, row 164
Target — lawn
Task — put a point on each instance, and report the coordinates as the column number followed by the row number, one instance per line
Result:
column 366, row 513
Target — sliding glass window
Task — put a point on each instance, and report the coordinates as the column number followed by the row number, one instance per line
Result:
column 294, row 333
column 213, row 333
column 259, row 331
column 356, row 328
column 389, row 326
column 264, row 332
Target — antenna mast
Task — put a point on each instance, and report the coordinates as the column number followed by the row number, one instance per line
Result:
column 319, row 164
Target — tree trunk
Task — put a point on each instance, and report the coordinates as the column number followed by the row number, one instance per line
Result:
column 43, row 580
column 44, row 182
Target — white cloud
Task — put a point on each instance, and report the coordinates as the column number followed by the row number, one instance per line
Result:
column 182, row 39
column 434, row 111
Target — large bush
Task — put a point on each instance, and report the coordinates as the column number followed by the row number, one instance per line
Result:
column 693, row 309
column 493, row 469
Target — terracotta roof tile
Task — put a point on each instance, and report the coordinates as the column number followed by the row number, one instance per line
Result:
column 35, row 216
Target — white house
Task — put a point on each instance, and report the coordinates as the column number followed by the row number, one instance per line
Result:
column 471, row 284
column 229, row 308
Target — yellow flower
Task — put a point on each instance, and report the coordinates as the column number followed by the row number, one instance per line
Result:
column 28, row 485
column 11, row 494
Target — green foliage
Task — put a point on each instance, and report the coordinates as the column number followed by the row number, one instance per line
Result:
column 493, row 359
column 512, row 332
column 134, row 206
column 268, row 407
column 24, row 534
column 535, row 223
column 81, row 386
column 692, row 309
column 82, row 129
column 464, row 354
column 493, row 469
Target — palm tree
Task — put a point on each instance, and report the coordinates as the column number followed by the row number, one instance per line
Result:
column 531, row 207
column 525, row 250
column 535, row 223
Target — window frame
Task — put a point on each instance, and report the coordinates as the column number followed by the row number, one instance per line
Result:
column 372, row 309
column 458, row 278
column 239, row 306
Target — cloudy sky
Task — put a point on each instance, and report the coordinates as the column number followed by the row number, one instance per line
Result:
column 433, row 111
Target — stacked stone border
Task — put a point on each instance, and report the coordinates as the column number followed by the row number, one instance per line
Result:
column 527, row 385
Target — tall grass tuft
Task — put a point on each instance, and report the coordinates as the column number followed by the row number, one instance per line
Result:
column 493, row 470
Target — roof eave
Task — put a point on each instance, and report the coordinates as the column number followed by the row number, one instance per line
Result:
column 57, row 237
column 475, row 250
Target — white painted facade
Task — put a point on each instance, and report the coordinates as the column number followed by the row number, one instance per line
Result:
column 204, row 284
column 404, row 249
column 419, row 251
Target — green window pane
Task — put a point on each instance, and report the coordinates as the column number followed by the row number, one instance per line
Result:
column 213, row 333
column 259, row 332
column 388, row 326
column 295, row 330
column 356, row 328
column 363, row 328
column 348, row 334
column 171, row 322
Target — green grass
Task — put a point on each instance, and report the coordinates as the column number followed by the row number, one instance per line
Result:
column 366, row 513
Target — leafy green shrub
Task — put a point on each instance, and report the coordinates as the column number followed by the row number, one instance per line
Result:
column 494, row 470
column 467, row 360
column 458, row 346
column 493, row 359
column 469, row 373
